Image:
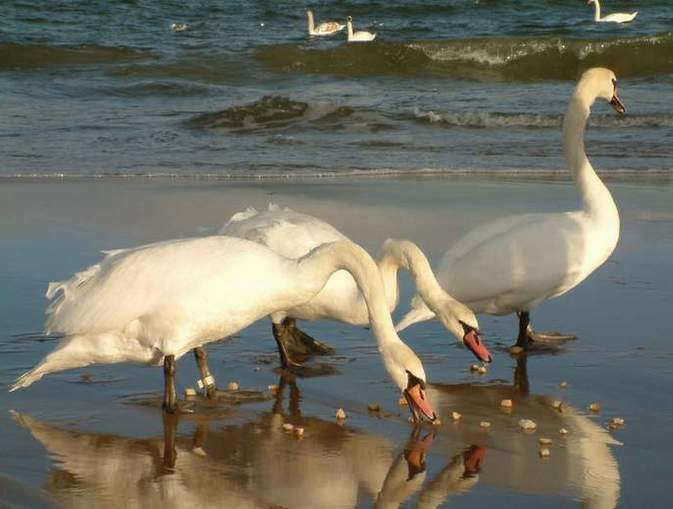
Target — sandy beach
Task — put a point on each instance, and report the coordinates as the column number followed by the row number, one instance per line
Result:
column 96, row 436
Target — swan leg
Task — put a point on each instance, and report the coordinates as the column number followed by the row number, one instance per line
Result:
column 528, row 339
column 208, row 381
column 170, row 404
column 279, row 334
column 170, row 429
column 295, row 345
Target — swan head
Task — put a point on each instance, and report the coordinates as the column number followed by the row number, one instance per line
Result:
column 463, row 324
column 349, row 19
column 406, row 370
column 600, row 83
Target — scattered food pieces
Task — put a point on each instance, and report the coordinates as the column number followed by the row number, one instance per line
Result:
column 178, row 27
column 402, row 401
column 544, row 441
column 257, row 368
column 544, row 452
column 437, row 422
column 190, row 392
column 563, row 384
column 341, row 414
column 485, row 424
column 595, row 407
column 516, row 350
column 374, row 407
column 474, row 368
column 506, row 403
column 288, row 427
column 273, row 388
column 617, row 421
column 299, row 432
column 527, row 424
column 558, row 404
column 455, row 416
column 233, row 386
column 482, row 370
column 563, row 431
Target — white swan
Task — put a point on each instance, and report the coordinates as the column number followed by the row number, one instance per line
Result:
column 360, row 35
column 292, row 234
column 514, row 263
column 156, row 302
column 618, row 17
column 324, row 28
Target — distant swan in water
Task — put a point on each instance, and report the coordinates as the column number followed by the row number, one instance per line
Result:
column 618, row 17
column 154, row 303
column 360, row 35
column 324, row 28
column 514, row 263
column 293, row 234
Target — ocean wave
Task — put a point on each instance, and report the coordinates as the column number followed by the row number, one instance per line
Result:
column 28, row 56
column 277, row 112
column 486, row 119
column 512, row 58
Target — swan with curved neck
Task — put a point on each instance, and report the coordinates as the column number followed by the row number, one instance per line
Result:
column 324, row 28
column 514, row 263
column 293, row 234
column 154, row 303
column 360, row 35
column 617, row 17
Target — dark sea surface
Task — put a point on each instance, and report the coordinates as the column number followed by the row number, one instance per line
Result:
column 95, row 87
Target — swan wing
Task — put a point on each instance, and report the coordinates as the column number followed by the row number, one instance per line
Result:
column 288, row 233
column 174, row 289
column 516, row 262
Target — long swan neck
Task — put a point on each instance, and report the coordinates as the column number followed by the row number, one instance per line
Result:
column 595, row 197
column 349, row 25
column 405, row 254
column 316, row 267
column 311, row 22
column 598, row 10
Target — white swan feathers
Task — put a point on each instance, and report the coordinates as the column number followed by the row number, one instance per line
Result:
column 515, row 263
column 324, row 28
column 360, row 35
column 164, row 299
column 617, row 17
column 293, row 234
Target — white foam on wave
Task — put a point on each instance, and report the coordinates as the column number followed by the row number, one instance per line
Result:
column 487, row 119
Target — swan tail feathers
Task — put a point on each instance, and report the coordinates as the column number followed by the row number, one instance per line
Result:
column 75, row 351
column 238, row 217
column 419, row 313
column 68, row 288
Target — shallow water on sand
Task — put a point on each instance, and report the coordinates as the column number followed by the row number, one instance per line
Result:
column 95, row 437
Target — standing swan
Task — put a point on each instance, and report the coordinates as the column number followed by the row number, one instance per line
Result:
column 154, row 303
column 360, row 35
column 618, row 17
column 293, row 235
column 514, row 263
column 325, row 28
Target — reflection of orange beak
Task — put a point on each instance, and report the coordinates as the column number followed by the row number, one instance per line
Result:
column 415, row 453
column 472, row 459
column 418, row 404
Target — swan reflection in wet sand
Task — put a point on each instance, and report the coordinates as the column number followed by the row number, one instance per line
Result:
column 258, row 464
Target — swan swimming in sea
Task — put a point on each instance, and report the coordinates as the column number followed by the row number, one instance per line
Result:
column 154, row 303
column 360, row 35
column 617, row 17
column 324, row 28
column 514, row 263
column 292, row 234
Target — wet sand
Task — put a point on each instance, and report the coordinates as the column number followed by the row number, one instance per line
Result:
column 96, row 437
